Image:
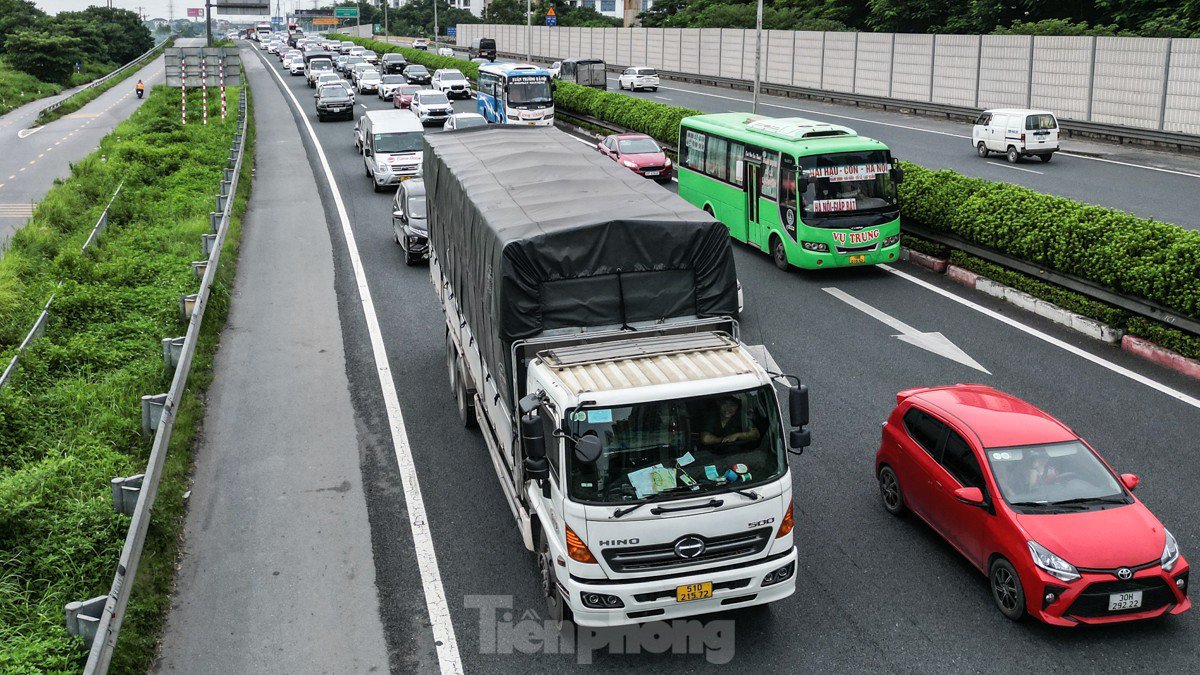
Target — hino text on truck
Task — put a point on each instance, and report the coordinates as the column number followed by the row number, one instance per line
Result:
column 593, row 338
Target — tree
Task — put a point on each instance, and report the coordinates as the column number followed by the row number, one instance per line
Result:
column 513, row 12
column 416, row 17
column 50, row 58
column 17, row 15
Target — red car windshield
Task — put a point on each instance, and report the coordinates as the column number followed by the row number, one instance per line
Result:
column 1056, row 474
column 638, row 146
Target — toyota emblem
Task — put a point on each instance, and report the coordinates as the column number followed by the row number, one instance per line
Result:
column 689, row 547
column 1122, row 573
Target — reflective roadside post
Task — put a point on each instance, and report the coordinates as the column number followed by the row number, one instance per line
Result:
column 757, row 54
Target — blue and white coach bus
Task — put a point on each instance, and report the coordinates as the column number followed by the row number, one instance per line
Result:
column 510, row 93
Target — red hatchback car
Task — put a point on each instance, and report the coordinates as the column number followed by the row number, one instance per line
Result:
column 1032, row 505
column 403, row 95
column 638, row 153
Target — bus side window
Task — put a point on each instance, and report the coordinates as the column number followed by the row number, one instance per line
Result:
column 770, row 176
column 737, row 164
column 716, row 162
column 693, row 156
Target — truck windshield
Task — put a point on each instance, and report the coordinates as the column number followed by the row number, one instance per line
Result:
column 529, row 89
column 847, row 183
column 411, row 141
column 690, row 446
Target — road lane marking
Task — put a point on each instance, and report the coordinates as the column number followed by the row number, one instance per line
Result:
column 933, row 342
column 1103, row 363
column 449, row 659
column 928, row 131
column 1015, row 168
column 16, row 210
column 26, row 133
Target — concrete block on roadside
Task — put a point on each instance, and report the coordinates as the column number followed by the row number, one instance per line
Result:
column 1021, row 299
column 1161, row 355
column 1053, row 312
column 1096, row 329
column 992, row 288
column 927, row 261
column 962, row 275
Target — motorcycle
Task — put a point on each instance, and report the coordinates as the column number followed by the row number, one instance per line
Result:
column 140, row 92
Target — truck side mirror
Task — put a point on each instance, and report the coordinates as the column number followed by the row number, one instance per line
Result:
column 798, row 405
column 799, row 439
column 536, row 466
column 588, row 448
column 897, row 175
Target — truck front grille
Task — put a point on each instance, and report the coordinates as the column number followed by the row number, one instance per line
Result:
column 663, row 557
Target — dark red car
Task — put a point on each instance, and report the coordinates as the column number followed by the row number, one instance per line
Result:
column 402, row 97
column 1058, row 532
column 640, row 154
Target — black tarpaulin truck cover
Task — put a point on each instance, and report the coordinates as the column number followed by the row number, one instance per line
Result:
column 536, row 231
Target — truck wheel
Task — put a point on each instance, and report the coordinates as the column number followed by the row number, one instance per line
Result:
column 982, row 149
column 1013, row 155
column 463, row 399
column 557, row 609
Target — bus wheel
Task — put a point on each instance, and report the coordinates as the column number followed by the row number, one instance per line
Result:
column 779, row 254
column 708, row 209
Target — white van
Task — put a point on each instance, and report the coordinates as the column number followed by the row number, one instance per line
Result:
column 1016, row 133
column 391, row 142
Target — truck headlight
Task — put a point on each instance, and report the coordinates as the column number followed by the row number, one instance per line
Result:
column 1051, row 563
column 815, row 246
column 1170, row 554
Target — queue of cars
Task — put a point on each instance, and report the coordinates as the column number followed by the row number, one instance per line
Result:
column 1026, row 500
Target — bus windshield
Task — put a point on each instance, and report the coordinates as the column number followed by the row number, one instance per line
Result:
column 690, row 446
column 848, row 183
column 528, row 89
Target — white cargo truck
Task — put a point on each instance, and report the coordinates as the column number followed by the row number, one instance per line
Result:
column 591, row 334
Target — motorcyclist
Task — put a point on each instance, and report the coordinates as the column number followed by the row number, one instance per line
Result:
column 141, row 89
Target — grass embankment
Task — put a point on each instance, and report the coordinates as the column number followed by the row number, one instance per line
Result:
column 71, row 419
column 79, row 99
column 18, row 88
column 1124, row 253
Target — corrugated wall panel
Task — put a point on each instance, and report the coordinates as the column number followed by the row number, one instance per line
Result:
column 1004, row 71
column 777, row 56
column 689, row 54
column 807, row 58
column 610, row 54
column 625, row 48
column 954, row 67
column 672, row 40
column 873, row 67
column 911, row 71
column 732, row 52
column 1061, row 68
column 638, row 51
column 748, row 41
column 839, row 61
column 583, row 46
column 1129, row 81
column 1183, row 89
column 709, row 61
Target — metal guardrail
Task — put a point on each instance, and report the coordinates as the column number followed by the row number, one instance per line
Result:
column 99, row 619
column 98, row 81
column 1172, row 139
column 39, row 326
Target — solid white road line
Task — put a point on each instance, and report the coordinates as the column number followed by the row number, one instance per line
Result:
column 928, row 131
column 1015, row 168
column 1103, row 363
column 449, row 659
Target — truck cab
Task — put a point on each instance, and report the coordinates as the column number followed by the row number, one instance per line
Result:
column 667, row 491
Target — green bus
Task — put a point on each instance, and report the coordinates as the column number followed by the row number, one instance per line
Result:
column 810, row 194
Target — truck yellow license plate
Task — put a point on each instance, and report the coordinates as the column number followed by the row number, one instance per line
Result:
column 693, row 592
column 856, row 259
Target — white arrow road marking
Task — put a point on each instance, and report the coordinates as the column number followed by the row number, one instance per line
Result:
column 931, row 342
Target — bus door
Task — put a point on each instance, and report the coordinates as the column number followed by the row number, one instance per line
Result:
column 754, row 185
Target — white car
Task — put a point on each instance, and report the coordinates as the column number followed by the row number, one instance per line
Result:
column 368, row 81
column 554, row 68
column 420, row 43
column 431, row 106
column 388, row 84
column 1016, row 133
column 463, row 121
column 445, row 51
column 263, row 46
column 638, row 77
column 296, row 65
column 358, row 69
column 371, row 57
column 451, row 82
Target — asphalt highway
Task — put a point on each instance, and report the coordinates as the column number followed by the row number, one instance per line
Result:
column 34, row 157
column 874, row 593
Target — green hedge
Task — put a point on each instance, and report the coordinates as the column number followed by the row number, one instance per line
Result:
column 1130, row 255
column 70, row 419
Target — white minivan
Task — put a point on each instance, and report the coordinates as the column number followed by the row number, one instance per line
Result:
column 1016, row 133
column 392, row 144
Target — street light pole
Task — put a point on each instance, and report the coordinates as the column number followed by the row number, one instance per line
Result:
column 528, row 30
column 435, row 24
column 757, row 54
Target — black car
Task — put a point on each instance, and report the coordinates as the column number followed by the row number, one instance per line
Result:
column 334, row 101
column 393, row 64
column 417, row 74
